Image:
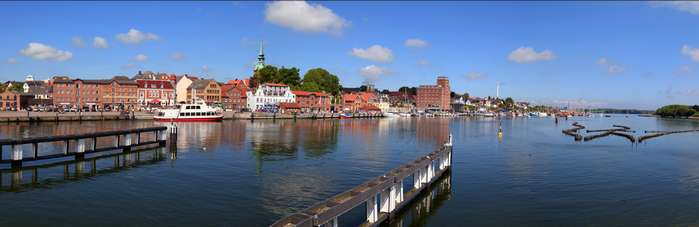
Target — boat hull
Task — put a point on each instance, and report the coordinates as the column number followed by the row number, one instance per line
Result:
column 201, row 119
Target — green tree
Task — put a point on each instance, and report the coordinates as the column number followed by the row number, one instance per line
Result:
column 308, row 86
column 466, row 96
column 16, row 86
column 324, row 80
column 289, row 76
column 675, row 111
column 409, row 90
column 3, row 87
column 509, row 102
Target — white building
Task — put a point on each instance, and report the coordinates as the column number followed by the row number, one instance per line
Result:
column 269, row 96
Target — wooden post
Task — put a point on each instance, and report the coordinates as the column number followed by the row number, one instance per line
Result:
column 80, row 154
column 94, row 143
column 36, row 150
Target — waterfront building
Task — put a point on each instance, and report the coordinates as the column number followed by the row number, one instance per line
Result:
column 181, row 87
column 269, row 96
column 434, row 97
column 457, row 105
column 207, row 90
column 234, row 94
column 155, row 92
column 312, row 101
column 120, row 92
column 13, row 100
column 148, row 75
column 401, row 99
column 92, row 94
column 77, row 93
column 359, row 102
column 39, row 90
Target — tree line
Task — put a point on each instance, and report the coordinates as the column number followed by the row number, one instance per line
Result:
column 677, row 111
column 314, row 80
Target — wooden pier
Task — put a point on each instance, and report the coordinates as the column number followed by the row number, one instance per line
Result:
column 124, row 140
column 383, row 196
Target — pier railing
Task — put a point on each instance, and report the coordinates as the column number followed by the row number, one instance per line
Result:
column 122, row 140
column 383, row 196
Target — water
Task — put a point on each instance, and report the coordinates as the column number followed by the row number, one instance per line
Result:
column 241, row 173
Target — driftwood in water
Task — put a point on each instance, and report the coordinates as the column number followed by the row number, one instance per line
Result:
column 574, row 131
column 662, row 133
column 591, row 137
column 621, row 126
column 611, row 129
column 628, row 136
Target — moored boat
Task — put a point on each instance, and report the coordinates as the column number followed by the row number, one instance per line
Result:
column 195, row 112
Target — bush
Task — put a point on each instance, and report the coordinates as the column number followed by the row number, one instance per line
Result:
column 675, row 111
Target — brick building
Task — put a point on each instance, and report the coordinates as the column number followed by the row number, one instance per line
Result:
column 312, row 101
column 93, row 94
column 13, row 101
column 155, row 92
column 233, row 94
column 435, row 97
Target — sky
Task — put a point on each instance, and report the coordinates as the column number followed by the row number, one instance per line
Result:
column 579, row 54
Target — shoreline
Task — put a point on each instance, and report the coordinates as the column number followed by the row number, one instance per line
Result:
column 12, row 117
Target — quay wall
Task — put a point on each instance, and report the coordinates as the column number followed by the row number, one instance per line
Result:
column 24, row 116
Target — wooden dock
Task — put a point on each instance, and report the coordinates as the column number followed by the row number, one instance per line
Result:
column 383, row 196
column 123, row 140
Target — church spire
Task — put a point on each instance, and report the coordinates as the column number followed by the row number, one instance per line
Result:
column 260, row 57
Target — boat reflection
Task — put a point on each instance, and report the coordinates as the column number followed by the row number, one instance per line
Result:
column 46, row 176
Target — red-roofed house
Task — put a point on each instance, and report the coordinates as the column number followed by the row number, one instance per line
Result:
column 356, row 102
column 312, row 101
column 233, row 94
column 155, row 93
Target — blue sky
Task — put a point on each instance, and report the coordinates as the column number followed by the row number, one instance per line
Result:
column 623, row 54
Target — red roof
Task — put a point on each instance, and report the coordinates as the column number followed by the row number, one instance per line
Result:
column 158, row 84
column 349, row 97
column 225, row 88
column 245, row 82
column 308, row 93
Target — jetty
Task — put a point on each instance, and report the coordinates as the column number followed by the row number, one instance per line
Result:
column 83, row 144
column 383, row 196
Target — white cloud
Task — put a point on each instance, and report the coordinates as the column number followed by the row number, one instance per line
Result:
column 612, row 68
column 372, row 73
column 687, row 6
column 301, row 16
column 41, row 51
column 415, row 43
column 374, row 53
column 78, row 42
column 177, row 56
column 99, row 42
column 693, row 53
column 141, row 57
column 134, row 36
column 528, row 54
column 12, row 61
column 472, row 76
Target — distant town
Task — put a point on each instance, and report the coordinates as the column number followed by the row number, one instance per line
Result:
column 270, row 89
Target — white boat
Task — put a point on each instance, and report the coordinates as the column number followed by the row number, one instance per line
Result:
column 391, row 115
column 194, row 112
column 405, row 115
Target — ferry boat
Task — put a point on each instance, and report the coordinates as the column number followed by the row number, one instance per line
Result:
column 195, row 112
column 345, row 115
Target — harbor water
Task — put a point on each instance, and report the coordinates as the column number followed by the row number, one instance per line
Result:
column 251, row 173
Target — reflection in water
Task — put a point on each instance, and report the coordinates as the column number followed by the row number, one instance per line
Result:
column 419, row 211
column 283, row 140
column 26, row 178
column 433, row 130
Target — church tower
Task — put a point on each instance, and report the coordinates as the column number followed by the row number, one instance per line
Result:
column 260, row 58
